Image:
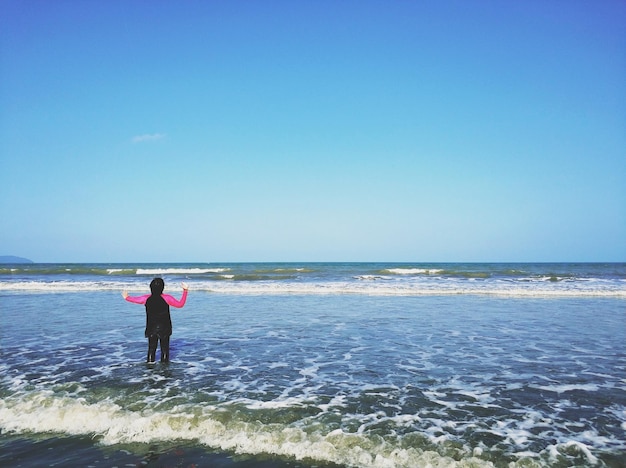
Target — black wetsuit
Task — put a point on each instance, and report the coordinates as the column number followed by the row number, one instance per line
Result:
column 158, row 327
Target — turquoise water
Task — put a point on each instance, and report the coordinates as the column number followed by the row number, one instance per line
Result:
column 317, row 365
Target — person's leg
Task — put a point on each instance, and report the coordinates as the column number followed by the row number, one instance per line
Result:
column 165, row 349
column 152, row 346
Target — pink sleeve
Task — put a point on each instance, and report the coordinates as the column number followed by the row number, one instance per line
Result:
column 171, row 300
column 138, row 299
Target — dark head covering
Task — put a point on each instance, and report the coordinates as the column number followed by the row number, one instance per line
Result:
column 157, row 286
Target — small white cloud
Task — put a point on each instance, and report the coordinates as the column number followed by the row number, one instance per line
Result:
column 148, row 137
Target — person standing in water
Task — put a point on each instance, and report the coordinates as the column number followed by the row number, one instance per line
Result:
column 158, row 320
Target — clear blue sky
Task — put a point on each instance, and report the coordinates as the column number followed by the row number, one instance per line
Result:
column 313, row 130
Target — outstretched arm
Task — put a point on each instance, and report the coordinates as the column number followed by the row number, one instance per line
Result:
column 171, row 300
column 135, row 299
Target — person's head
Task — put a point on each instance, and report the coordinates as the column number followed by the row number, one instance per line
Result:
column 157, row 286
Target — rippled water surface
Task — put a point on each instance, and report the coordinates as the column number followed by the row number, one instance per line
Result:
column 316, row 380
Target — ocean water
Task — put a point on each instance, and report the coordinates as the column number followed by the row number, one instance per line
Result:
column 316, row 365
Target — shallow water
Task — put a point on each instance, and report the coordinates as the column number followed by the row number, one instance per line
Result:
column 316, row 380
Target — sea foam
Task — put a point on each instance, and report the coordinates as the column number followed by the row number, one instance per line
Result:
column 110, row 424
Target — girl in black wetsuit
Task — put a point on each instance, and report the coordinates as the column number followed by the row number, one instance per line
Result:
column 158, row 320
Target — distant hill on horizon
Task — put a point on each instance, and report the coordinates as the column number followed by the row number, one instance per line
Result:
column 14, row 259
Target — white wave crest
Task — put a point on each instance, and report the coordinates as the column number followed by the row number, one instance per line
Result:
column 40, row 411
column 179, row 271
column 413, row 271
column 370, row 287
